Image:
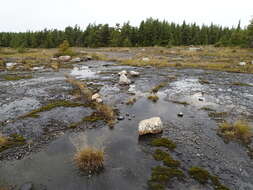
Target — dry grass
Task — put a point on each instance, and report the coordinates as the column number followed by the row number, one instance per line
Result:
column 3, row 140
column 89, row 159
column 131, row 101
column 153, row 98
column 156, row 88
column 240, row 130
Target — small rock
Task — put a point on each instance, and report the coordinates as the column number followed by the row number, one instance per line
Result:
column 122, row 73
column 201, row 99
column 242, row 63
column 54, row 59
column 123, row 80
column 180, row 114
column 150, row 126
column 252, row 62
column 145, row 59
column 99, row 100
column 134, row 73
column 26, row 186
column 65, row 58
column 121, row 117
column 97, row 97
column 76, row 60
column 10, row 65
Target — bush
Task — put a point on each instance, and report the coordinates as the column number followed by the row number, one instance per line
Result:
column 89, row 159
column 64, row 49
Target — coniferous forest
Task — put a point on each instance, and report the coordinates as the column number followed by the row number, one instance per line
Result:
column 150, row 32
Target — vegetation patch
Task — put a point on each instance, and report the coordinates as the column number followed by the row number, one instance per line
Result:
column 16, row 77
column 160, row 155
column 156, row 88
column 218, row 114
column 89, row 159
column 203, row 176
column 164, row 142
column 239, row 130
column 50, row 106
column 162, row 175
column 131, row 101
column 180, row 102
column 10, row 142
column 241, row 84
column 207, row 109
column 153, row 98
column 203, row 81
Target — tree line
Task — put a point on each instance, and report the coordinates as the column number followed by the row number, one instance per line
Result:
column 150, row 32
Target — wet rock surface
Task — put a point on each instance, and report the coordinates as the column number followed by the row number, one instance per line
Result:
column 47, row 157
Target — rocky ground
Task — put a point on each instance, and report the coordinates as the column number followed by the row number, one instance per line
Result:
column 46, row 159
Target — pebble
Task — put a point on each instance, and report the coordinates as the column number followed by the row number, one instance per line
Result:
column 180, row 114
column 121, row 118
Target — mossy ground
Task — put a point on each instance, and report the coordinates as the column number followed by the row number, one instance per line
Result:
column 180, row 102
column 160, row 155
column 164, row 142
column 50, row 106
column 156, row 88
column 16, row 77
column 11, row 141
column 154, row 98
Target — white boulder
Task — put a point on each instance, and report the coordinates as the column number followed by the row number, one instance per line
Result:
column 54, row 59
column 124, row 80
column 134, row 73
column 96, row 97
column 150, row 126
column 242, row 63
column 145, row 59
column 124, row 72
column 65, row 58
column 76, row 60
column 252, row 62
column 10, row 65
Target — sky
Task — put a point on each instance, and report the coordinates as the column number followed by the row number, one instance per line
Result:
column 24, row 15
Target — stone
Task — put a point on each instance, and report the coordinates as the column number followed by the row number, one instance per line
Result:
column 180, row 114
column 54, row 59
column 123, row 80
column 26, row 186
column 121, row 117
column 10, row 65
column 195, row 49
column 76, row 60
column 145, row 59
column 252, row 62
column 122, row 72
column 152, row 125
column 242, row 63
column 134, row 73
column 201, row 99
column 97, row 97
column 65, row 58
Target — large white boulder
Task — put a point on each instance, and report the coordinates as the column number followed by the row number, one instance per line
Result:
column 122, row 72
column 242, row 63
column 65, row 58
column 134, row 73
column 145, row 59
column 150, row 126
column 124, row 80
column 97, row 97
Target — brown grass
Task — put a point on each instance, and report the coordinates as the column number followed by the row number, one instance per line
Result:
column 240, row 130
column 3, row 140
column 153, row 98
column 89, row 159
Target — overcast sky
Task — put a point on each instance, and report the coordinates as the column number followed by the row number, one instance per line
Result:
column 22, row 15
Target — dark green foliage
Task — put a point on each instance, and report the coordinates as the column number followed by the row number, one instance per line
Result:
column 162, row 175
column 160, row 155
column 164, row 142
column 149, row 33
column 199, row 174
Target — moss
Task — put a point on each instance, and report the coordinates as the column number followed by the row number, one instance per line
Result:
column 203, row 81
column 207, row 109
column 180, row 102
column 162, row 175
column 156, row 88
column 93, row 117
column 218, row 114
column 241, row 84
column 160, row 155
column 153, row 98
column 131, row 101
column 50, row 106
column 16, row 77
column 199, row 174
column 163, row 142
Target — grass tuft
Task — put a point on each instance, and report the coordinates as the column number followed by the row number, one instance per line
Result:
column 89, row 159
column 156, row 88
column 153, row 98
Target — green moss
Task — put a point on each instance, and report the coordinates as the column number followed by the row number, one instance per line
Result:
column 93, row 117
column 50, row 106
column 153, row 98
column 131, row 101
column 241, row 84
column 160, row 155
column 199, row 174
column 217, row 114
column 16, row 77
column 207, row 109
column 163, row 142
column 162, row 175
column 179, row 102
